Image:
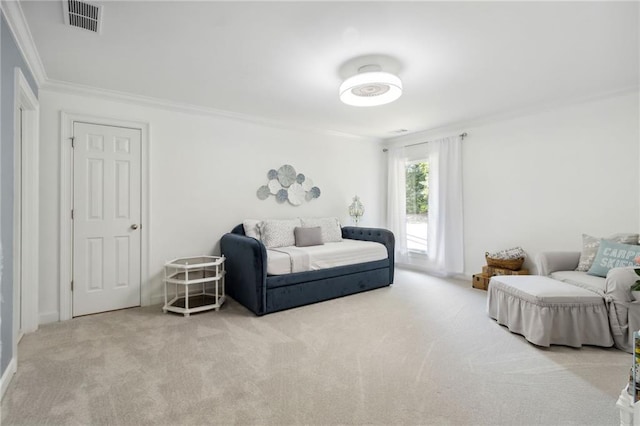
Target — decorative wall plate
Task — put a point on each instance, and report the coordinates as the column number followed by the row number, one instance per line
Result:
column 263, row 192
column 287, row 185
column 286, row 175
column 274, row 186
column 315, row 192
column 312, row 193
column 296, row 194
column 282, row 196
column 307, row 184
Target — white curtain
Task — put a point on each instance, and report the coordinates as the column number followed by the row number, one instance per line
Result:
column 445, row 228
column 396, row 203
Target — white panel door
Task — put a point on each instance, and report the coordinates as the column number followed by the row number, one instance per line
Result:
column 106, row 218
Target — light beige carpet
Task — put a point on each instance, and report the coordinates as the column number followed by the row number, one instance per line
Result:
column 422, row 351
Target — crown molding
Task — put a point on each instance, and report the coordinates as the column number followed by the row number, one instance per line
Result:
column 20, row 29
column 462, row 125
column 78, row 89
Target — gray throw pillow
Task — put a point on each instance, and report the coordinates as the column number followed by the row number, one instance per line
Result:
column 591, row 244
column 306, row 237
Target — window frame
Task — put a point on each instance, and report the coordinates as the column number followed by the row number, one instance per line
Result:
column 413, row 252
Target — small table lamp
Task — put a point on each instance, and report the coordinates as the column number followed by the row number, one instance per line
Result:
column 356, row 210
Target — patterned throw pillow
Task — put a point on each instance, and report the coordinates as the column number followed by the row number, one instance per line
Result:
column 331, row 230
column 613, row 255
column 591, row 244
column 512, row 253
column 278, row 233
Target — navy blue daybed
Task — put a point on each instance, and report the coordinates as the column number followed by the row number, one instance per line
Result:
column 248, row 283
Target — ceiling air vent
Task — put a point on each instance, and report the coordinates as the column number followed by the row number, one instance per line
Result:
column 83, row 15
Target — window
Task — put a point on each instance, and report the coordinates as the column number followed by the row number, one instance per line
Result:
column 417, row 208
column 424, row 204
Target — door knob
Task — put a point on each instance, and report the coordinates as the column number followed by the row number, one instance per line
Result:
column 134, row 226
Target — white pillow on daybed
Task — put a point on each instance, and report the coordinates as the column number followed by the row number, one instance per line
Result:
column 278, row 233
column 330, row 227
column 252, row 228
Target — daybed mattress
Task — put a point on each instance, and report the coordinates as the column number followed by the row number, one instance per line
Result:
column 286, row 260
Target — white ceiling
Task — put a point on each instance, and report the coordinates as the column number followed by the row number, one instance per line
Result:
column 284, row 61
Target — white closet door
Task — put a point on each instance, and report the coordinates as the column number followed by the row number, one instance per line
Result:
column 106, row 218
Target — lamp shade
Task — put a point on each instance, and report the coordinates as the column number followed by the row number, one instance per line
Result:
column 370, row 89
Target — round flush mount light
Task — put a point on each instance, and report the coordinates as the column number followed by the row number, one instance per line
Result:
column 370, row 87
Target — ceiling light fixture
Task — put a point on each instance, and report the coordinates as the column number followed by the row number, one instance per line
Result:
column 370, row 87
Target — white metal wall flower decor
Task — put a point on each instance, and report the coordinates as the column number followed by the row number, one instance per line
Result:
column 287, row 185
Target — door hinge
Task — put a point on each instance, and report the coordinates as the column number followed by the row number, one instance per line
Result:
column 71, row 285
column 72, row 141
column 71, row 214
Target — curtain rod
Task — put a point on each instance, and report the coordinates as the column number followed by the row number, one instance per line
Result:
column 462, row 135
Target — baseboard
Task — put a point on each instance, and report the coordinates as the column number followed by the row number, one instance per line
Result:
column 53, row 316
column 47, row 317
column 418, row 268
column 7, row 376
column 157, row 299
column 410, row 267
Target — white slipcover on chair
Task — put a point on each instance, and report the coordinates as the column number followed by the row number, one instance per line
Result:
column 547, row 311
column 624, row 312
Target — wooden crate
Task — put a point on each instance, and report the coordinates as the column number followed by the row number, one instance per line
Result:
column 493, row 271
column 481, row 281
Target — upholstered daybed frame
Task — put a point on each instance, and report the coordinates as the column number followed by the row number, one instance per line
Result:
column 247, row 281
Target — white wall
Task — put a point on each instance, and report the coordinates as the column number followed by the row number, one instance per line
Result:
column 204, row 175
column 539, row 181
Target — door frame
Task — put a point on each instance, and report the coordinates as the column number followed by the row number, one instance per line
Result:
column 26, row 162
column 66, row 204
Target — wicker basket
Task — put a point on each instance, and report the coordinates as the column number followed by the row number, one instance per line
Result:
column 511, row 264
